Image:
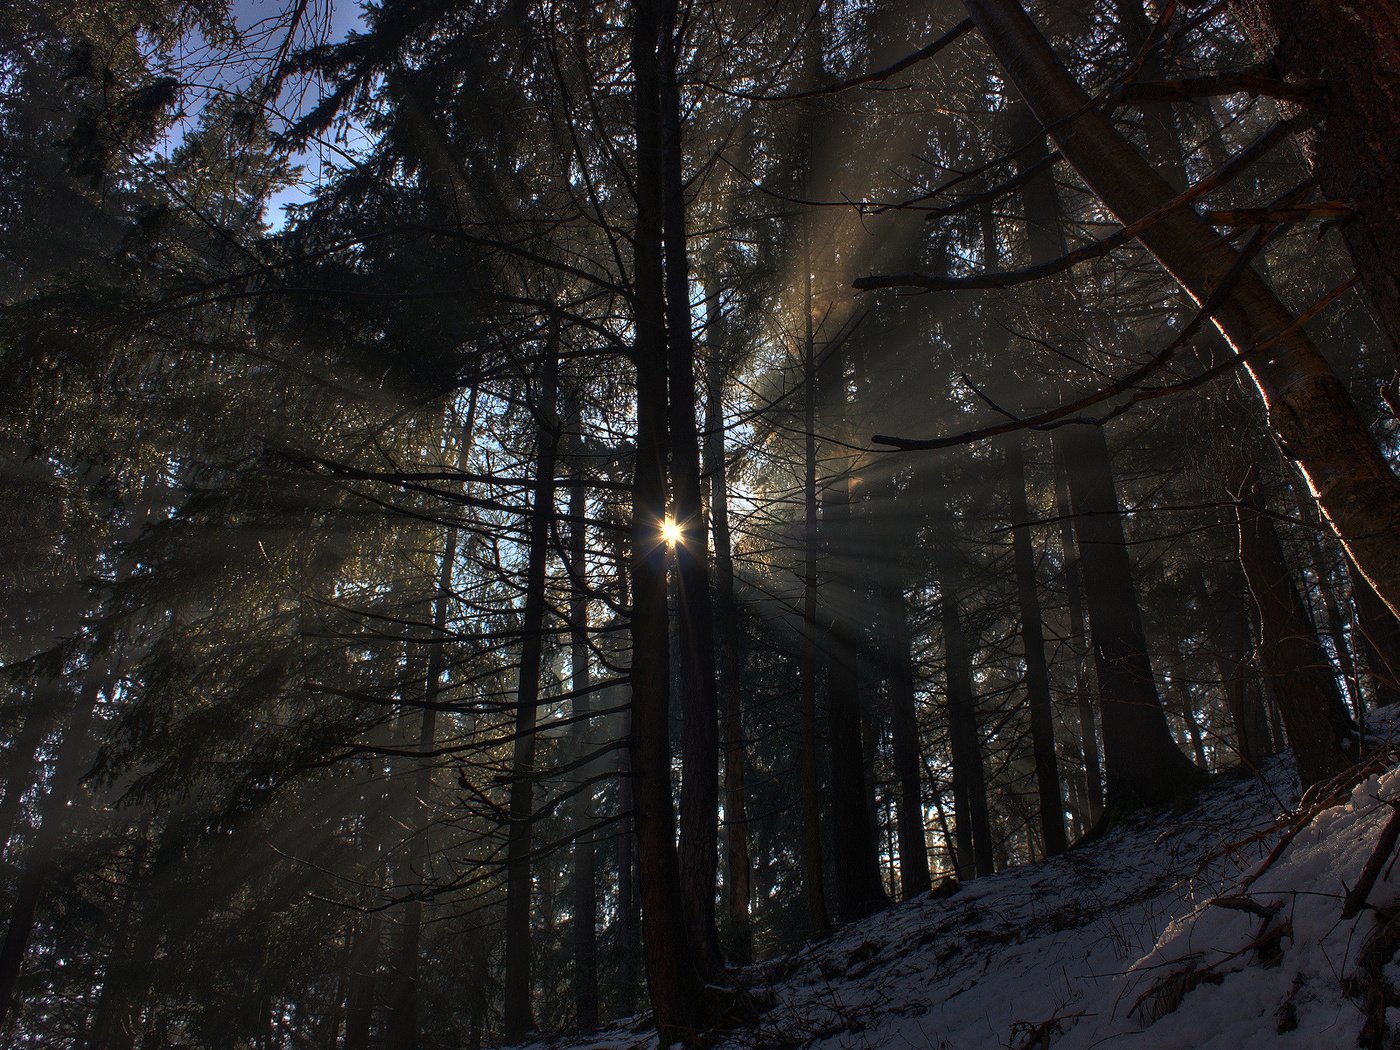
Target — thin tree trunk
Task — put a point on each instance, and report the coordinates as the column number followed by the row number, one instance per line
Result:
column 813, row 867
column 971, row 815
column 585, row 904
column 737, row 874
column 914, row 876
column 1047, row 775
column 1309, row 411
column 401, row 1030
column 517, row 1013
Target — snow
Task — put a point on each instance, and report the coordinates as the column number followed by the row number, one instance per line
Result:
column 1173, row 933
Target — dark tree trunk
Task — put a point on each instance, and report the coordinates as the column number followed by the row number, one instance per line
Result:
column 971, row 815
column 41, row 862
column 1352, row 52
column 737, row 875
column 1380, row 641
column 813, row 868
column 1295, row 666
column 1309, row 409
column 401, row 1030
column 585, row 903
column 1142, row 762
column 699, row 846
column 859, row 888
column 516, row 1022
column 673, row 969
column 1088, row 729
column 914, row 877
column 364, row 974
column 1047, row 775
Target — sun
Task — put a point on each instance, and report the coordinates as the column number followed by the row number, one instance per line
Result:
column 670, row 532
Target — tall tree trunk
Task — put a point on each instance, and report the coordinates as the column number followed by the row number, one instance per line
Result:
column 364, row 972
column 1296, row 667
column 1352, row 53
column 1142, row 762
column 971, row 814
column 914, row 876
column 401, row 1031
column 859, row 888
column 699, row 841
column 813, row 867
column 1047, row 775
column 585, row 904
column 1069, row 552
column 1309, row 411
column 517, row 1014
column 41, row 863
column 673, row 971
column 737, row 874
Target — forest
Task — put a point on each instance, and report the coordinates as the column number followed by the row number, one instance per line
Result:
column 517, row 512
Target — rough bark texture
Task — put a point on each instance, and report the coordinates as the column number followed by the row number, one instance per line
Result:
column 1142, row 763
column 1309, row 410
column 1353, row 50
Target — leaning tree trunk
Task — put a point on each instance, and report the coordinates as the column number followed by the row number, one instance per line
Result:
column 1296, row 668
column 673, row 970
column 516, row 1022
column 1347, row 57
column 1309, row 410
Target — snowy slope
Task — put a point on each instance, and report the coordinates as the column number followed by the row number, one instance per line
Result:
column 1183, row 932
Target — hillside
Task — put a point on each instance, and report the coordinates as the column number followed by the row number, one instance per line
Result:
column 1214, row 927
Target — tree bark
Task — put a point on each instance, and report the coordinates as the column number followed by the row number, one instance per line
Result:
column 1142, row 762
column 517, row 1022
column 1351, row 52
column 1308, row 408
column 1047, row 775
column 673, row 973
column 737, row 874
column 699, row 841
column 1296, row 667
column 971, row 814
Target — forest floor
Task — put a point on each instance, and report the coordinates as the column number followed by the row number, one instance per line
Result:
column 1217, row 926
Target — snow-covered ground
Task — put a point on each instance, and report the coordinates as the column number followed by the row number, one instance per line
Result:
column 1190, row 931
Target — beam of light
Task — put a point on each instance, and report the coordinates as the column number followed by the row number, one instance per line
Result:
column 671, row 532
